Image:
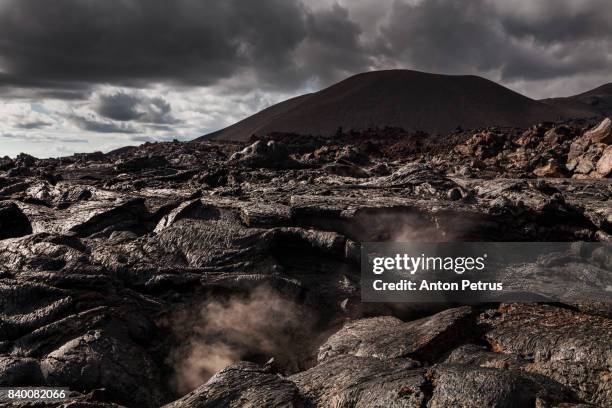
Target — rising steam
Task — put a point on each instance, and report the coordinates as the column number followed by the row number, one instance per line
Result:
column 257, row 327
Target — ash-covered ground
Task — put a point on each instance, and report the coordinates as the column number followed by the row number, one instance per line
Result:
column 135, row 276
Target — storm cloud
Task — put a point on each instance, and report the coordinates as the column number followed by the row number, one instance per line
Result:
column 124, row 106
column 182, row 68
column 132, row 42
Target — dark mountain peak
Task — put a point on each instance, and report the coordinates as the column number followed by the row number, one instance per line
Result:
column 412, row 100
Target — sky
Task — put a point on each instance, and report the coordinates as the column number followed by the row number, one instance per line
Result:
column 88, row 75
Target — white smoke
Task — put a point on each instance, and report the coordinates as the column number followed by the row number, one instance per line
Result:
column 257, row 327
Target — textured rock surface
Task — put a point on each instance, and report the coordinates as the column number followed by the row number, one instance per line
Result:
column 123, row 273
column 387, row 337
column 570, row 347
column 350, row 381
column 242, row 385
column 461, row 386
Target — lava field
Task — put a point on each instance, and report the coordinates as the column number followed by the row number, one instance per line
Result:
column 226, row 274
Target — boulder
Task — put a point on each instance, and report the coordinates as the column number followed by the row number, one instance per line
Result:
column 346, row 170
column 241, row 385
column 13, row 222
column 482, row 145
column 352, row 155
column 602, row 133
column 586, row 163
column 135, row 164
column 6, row 163
column 604, row 164
column 464, row 386
column 388, row 337
column 557, row 135
column 99, row 360
column 479, row 356
column 586, row 151
column 349, row 381
column 530, row 138
column 90, row 157
column 15, row 371
column 550, row 169
column 262, row 154
column 25, row 160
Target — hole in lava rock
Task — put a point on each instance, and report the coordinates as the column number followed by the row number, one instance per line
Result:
column 262, row 324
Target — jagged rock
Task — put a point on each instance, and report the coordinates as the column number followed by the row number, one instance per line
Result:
column 93, row 216
column 98, row 360
column 550, row 169
column 587, row 162
column 140, row 163
column 349, row 381
column 570, row 347
column 209, row 238
column 43, row 252
column 265, row 214
column 267, row 155
column 182, row 211
column 6, row 163
column 16, row 371
column 604, row 165
column 380, row 169
column 577, row 148
column 19, row 171
column 90, row 157
column 242, row 385
column 13, row 222
column 482, row 145
column 25, row 160
column 586, row 151
column 479, row 356
column 531, row 137
column 464, row 386
column 72, row 195
column 352, row 155
column 388, row 337
column 414, row 174
column 602, row 133
column 346, row 170
column 557, row 135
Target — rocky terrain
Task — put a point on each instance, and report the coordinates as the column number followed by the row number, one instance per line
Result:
column 226, row 274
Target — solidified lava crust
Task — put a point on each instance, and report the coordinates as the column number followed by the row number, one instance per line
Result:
column 216, row 274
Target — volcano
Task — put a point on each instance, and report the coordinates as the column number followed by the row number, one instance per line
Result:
column 414, row 101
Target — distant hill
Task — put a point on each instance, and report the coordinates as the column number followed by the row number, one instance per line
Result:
column 596, row 102
column 400, row 98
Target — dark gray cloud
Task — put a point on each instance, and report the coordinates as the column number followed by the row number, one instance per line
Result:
column 63, row 50
column 92, row 124
column 136, row 42
column 34, row 125
column 520, row 39
column 122, row 106
column 333, row 49
column 42, row 139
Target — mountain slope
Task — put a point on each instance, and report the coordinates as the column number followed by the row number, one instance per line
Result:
column 402, row 98
column 596, row 102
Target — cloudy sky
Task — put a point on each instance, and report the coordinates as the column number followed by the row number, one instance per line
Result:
column 86, row 75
